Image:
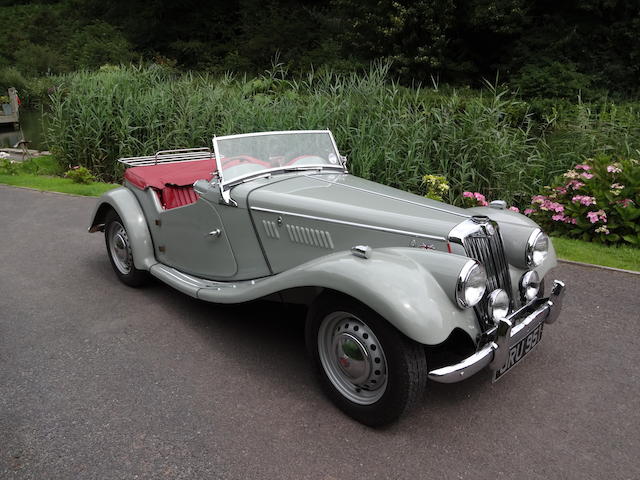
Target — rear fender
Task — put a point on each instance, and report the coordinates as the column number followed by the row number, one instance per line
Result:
column 128, row 209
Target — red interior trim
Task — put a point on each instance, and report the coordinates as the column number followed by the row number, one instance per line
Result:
column 179, row 173
column 172, row 181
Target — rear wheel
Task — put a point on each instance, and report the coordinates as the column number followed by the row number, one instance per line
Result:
column 120, row 253
column 370, row 370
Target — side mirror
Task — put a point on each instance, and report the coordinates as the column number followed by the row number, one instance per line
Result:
column 205, row 188
column 212, row 190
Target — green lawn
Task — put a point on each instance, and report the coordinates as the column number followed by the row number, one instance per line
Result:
column 627, row 258
column 56, row 184
column 44, row 173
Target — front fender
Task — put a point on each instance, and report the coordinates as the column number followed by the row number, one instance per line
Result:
column 411, row 288
column 128, row 209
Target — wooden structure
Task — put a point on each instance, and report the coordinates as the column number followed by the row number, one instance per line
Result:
column 9, row 113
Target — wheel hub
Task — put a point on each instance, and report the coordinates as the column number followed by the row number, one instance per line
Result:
column 352, row 358
column 119, row 247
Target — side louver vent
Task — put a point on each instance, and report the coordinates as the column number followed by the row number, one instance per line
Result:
column 310, row 236
column 271, row 229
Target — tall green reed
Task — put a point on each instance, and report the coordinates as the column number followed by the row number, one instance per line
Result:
column 483, row 141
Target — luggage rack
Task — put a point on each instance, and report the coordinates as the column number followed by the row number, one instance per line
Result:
column 169, row 156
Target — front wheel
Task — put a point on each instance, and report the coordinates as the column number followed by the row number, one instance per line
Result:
column 370, row 370
column 120, row 253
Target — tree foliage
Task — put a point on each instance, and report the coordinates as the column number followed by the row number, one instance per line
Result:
column 544, row 47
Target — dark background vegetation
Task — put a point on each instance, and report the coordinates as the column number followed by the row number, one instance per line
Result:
column 544, row 48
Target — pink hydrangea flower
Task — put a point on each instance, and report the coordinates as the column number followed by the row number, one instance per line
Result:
column 599, row 216
column 561, row 190
column 514, row 209
column 625, row 202
column 614, row 169
column 528, row 211
column 480, row 199
column 584, row 200
column 574, row 184
column 548, row 205
column 587, row 175
column 467, row 194
column 538, row 199
column 558, row 217
column 582, row 167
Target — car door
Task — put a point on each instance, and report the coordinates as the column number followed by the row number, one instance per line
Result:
column 192, row 239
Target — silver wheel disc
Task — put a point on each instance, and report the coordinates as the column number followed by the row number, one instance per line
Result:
column 352, row 358
column 119, row 247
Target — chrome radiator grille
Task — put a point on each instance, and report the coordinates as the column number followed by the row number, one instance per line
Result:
column 489, row 251
column 482, row 241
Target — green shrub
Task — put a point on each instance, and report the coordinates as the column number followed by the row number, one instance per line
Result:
column 436, row 187
column 7, row 167
column 598, row 200
column 551, row 80
column 80, row 175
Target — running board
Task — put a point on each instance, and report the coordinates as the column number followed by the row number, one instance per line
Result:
column 209, row 290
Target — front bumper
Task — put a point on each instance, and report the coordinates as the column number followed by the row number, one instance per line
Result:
column 509, row 332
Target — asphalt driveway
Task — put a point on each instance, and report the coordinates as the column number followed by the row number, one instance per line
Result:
column 98, row 380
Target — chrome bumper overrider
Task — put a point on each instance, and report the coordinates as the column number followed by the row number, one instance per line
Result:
column 509, row 332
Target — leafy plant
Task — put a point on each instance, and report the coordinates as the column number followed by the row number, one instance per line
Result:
column 436, row 187
column 7, row 167
column 80, row 175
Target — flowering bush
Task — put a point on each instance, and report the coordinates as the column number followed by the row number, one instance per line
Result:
column 597, row 200
column 474, row 199
column 436, row 186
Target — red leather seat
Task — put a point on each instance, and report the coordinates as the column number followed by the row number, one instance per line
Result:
column 172, row 181
column 173, row 196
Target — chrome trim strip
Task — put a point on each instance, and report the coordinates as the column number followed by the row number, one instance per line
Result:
column 277, row 132
column 352, row 224
column 391, row 197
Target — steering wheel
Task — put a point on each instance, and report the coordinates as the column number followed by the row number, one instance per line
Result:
column 240, row 159
column 307, row 160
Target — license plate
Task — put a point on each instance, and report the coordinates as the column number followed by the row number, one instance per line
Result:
column 519, row 351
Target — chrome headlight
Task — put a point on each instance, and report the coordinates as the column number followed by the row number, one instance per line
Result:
column 472, row 283
column 529, row 285
column 537, row 248
column 498, row 304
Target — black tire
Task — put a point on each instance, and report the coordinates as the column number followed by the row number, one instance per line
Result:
column 404, row 360
column 122, row 264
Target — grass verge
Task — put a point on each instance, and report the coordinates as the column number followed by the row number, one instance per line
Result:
column 627, row 258
column 56, row 184
column 44, row 173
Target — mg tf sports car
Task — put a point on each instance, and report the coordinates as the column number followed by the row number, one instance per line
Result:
column 401, row 289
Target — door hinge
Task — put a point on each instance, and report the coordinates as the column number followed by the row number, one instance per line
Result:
column 161, row 248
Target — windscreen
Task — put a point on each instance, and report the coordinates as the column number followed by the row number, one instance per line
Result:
column 241, row 156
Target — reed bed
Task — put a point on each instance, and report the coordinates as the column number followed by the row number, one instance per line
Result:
column 485, row 141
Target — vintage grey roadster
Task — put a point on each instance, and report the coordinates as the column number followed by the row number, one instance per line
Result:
column 400, row 289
